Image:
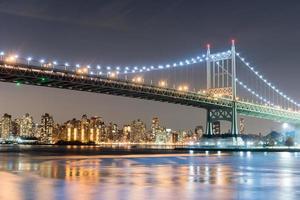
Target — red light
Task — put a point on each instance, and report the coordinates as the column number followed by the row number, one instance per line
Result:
column 232, row 41
column 208, row 46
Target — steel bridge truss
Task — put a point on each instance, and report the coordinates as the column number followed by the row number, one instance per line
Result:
column 47, row 77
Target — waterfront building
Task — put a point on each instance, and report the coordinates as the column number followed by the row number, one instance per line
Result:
column 199, row 131
column 155, row 128
column 126, row 131
column 112, row 132
column 216, row 127
column 6, row 126
column 163, row 136
column 46, row 129
column 138, row 132
column 84, row 130
column 26, row 125
column 97, row 129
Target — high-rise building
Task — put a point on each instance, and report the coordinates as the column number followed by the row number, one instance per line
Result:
column 155, row 129
column 97, row 129
column 216, row 127
column 138, row 131
column 112, row 132
column 6, row 126
column 26, row 126
column 46, row 128
column 126, row 133
column 84, row 130
column 199, row 132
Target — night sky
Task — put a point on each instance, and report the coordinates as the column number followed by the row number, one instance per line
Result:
column 129, row 32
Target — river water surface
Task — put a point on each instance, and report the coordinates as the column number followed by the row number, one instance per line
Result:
column 219, row 175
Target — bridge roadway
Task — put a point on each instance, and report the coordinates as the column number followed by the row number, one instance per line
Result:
column 57, row 78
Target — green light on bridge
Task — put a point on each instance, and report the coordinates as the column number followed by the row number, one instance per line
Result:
column 43, row 79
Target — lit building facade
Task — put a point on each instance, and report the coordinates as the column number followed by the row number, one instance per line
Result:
column 26, row 126
column 138, row 132
column 6, row 127
column 84, row 130
column 46, row 129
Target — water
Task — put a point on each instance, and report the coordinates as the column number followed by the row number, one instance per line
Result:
column 168, row 176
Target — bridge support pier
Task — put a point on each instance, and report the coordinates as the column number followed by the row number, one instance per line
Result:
column 208, row 123
column 218, row 114
column 234, row 121
column 229, row 139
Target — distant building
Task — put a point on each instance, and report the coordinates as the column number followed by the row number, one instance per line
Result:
column 155, row 128
column 126, row 131
column 112, row 132
column 84, row 130
column 6, row 126
column 138, row 131
column 242, row 125
column 46, row 128
column 26, row 125
column 199, row 132
column 216, row 127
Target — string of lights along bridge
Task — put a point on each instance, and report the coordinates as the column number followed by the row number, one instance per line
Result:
column 223, row 83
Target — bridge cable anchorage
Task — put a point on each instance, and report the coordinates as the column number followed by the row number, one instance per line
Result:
column 286, row 99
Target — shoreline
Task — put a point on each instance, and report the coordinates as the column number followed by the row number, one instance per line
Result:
column 100, row 150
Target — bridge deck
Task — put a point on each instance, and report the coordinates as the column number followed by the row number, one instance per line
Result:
column 48, row 77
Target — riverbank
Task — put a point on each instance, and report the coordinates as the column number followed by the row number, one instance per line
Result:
column 127, row 150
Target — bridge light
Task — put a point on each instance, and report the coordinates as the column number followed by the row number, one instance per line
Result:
column 138, row 79
column 28, row 60
column 162, row 83
column 112, row 75
column 11, row 58
column 98, row 67
column 285, row 125
column 184, row 88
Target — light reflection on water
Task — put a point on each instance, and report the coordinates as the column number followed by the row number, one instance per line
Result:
column 211, row 176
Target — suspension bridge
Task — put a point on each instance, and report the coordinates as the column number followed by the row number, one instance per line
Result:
column 223, row 83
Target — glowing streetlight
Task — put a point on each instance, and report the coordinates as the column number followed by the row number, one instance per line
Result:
column 138, row 79
column 162, row 83
column 42, row 61
column 285, row 125
column 11, row 58
column 28, row 60
column 112, row 75
column 66, row 65
column 183, row 88
column 83, row 70
column 2, row 55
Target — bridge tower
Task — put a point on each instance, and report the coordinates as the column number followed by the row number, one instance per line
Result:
column 221, row 83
